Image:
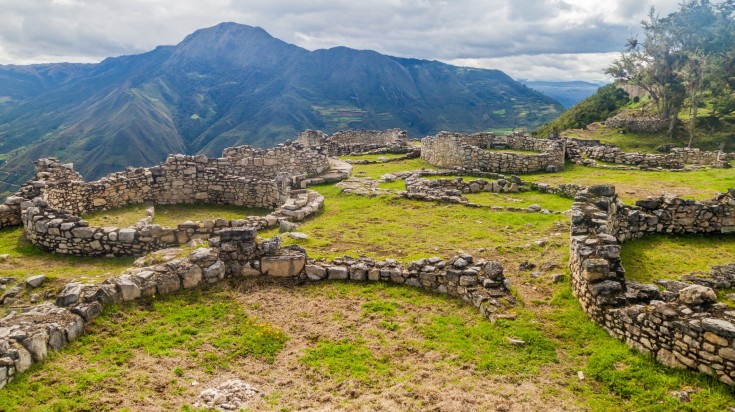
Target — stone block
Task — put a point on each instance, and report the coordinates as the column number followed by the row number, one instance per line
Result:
column 126, row 235
column 282, row 265
column 191, row 277
column 315, row 272
column 697, row 295
column 129, row 290
column 337, row 272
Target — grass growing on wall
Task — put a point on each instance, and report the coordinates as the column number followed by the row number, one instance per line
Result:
column 170, row 215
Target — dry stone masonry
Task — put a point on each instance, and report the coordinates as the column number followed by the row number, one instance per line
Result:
column 28, row 337
column 50, row 206
column 684, row 326
column 353, row 142
column 476, row 152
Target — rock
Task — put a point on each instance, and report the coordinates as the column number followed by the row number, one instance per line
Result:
column 460, row 263
column 516, row 342
column 283, row 265
column 526, row 266
column 697, row 295
column 70, row 294
column 214, row 272
column 286, row 226
column 557, row 278
column 4, row 257
column 35, row 281
column 719, row 327
column 191, row 277
column 271, row 246
column 314, row 272
column 126, row 235
column 129, row 290
column 533, row 208
column 298, row 235
column 337, row 272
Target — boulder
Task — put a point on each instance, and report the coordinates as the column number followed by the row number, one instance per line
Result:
column 697, row 295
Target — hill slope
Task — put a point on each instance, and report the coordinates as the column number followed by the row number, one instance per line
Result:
column 234, row 84
column 566, row 93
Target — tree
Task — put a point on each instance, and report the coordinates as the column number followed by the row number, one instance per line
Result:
column 685, row 54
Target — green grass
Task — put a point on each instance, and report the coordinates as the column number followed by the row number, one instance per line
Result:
column 373, row 157
column 200, row 332
column 170, row 215
column 656, row 257
column 521, row 200
column 376, row 171
column 384, row 227
column 27, row 260
column 346, row 360
column 618, row 378
column 486, row 344
column 632, row 185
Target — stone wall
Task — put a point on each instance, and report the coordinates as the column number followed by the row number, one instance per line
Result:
column 474, row 152
column 685, row 327
column 676, row 159
column 60, row 231
column 637, row 124
column 357, row 141
column 28, row 337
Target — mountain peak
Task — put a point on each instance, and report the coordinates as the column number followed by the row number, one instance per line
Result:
column 232, row 43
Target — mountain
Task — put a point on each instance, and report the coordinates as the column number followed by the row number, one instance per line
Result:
column 566, row 93
column 233, row 84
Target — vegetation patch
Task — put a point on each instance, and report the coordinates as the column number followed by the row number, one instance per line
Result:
column 669, row 257
column 149, row 352
column 346, row 360
column 28, row 260
column 170, row 215
column 632, row 185
column 386, row 227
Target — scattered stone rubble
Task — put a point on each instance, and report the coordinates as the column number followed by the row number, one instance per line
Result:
column 231, row 395
column 684, row 326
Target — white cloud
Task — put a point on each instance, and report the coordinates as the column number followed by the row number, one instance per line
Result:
column 553, row 67
column 508, row 33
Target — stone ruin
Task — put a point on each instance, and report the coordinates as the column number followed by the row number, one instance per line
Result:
column 355, row 142
column 677, row 159
column 683, row 326
column 234, row 253
column 49, row 207
column 475, row 152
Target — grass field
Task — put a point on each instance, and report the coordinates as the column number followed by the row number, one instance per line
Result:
column 170, row 215
column 375, row 346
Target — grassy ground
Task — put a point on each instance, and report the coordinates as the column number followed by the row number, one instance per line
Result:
column 670, row 257
column 373, row 157
column 408, row 229
column 632, row 184
column 376, row 171
column 341, row 346
column 170, row 215
column 27, row 260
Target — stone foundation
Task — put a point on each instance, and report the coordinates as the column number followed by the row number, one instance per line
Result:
column 354, row 142
column 473, row 152
column 683, row 327
column 28, row 337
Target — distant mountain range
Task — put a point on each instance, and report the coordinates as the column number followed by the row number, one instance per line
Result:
column 233, row 84
column 566, row 93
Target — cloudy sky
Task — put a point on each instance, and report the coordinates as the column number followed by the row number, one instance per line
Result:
column 528, row 39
